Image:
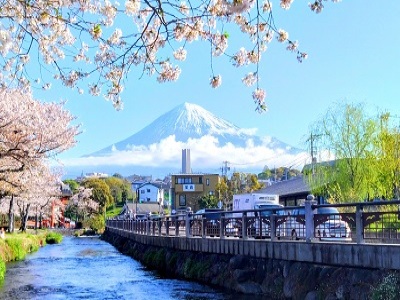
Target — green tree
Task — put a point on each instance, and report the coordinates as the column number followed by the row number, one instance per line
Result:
column 101, row 192
column 208, row 201
column 223, row 192
column 120, row 189
column 265, row 174
column 353, row 138
column 388, row 163
column 73, row 184
column 253, row 184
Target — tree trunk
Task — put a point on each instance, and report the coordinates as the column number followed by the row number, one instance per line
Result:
column 24, row 217
column 36, row 220
column 40, row 220
column 11, row 215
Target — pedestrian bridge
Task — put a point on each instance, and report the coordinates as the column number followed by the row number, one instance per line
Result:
column 373, row 241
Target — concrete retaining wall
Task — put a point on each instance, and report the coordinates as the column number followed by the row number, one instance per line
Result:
column 372, row 256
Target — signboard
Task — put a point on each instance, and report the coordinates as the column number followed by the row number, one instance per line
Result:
column 188, row 187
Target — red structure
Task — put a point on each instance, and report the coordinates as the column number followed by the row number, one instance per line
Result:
column 57, row 218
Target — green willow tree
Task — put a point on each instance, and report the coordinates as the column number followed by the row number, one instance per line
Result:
column 361, row 150
column 388, row 146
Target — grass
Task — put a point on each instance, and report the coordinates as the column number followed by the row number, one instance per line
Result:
column 53, row 238
column 113, row 211
column 16, row 246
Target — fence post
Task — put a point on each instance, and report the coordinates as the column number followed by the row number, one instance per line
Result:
column 203, row 226
column 359, row 225
column 272, row 226
column 187, row 224
column 159, row 225
column 309, row 215
column 244, row 225
column 147, row 227
column 222, row 226
column 177, row 226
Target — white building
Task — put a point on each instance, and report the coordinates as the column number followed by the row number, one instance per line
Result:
column 150, row 193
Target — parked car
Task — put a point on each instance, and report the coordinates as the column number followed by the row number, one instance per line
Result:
column 327, row 221
column 266, row 210
column 212, row 218
column 141, row 217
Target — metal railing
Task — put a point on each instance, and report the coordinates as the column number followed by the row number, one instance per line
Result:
column 364, row 222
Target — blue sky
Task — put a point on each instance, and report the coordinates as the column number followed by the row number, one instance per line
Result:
column 353, row 49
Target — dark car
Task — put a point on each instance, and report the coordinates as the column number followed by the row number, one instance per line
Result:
column 211, row 216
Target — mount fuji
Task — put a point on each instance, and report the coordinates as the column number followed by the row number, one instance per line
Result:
column 188, row 122
column 156, row 150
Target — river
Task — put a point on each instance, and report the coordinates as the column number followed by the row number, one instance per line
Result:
column 89, row 268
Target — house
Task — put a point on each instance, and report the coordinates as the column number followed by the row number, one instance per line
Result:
column 150, row 192
column 187, row 189
column 138, row 181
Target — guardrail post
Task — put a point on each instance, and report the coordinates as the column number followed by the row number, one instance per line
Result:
column 203, row 226
column 222, row 226
column 159, row 227
column 244, row 226
column 147, row 227
column 359, row 226
column 153, row 227
column 272, row 227
column 177, row 226
column 309, row 218
column 187, row 225
column 167, row 226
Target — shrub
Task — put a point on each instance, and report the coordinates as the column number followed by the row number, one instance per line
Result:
column 53, row 238
column 97, row 223
column 387, row 289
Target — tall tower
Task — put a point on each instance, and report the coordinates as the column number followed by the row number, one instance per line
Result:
column 186, row 169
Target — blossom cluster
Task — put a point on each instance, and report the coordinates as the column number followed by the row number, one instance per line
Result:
column 31, row 133
column 82, row 43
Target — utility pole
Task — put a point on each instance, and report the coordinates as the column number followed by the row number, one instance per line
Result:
column 313, row 150
column 225, row 168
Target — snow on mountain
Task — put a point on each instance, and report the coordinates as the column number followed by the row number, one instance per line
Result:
column 191, row 121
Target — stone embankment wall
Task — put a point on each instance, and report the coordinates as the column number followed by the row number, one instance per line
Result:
column 273, row 278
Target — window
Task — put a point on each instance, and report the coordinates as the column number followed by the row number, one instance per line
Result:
column 182, row 180
column 142, row 191
column 148, row 199
column 148, row 190
column 207, row 182
column 182, row 200
column 201, row 180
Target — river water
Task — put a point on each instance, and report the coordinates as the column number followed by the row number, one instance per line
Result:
column 89, row 268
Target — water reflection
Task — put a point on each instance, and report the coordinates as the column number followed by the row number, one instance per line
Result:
column 88, row 268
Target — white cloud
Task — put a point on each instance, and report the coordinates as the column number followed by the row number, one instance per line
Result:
column 206, row 154
column 248, row 131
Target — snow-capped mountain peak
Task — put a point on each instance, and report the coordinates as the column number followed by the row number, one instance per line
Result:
column 190, row 121
column 193, row 118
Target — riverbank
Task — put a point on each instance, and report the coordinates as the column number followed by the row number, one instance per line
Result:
column 15, row 246
column 272, row 278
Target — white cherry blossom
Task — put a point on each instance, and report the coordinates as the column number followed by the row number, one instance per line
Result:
column 82, row 41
